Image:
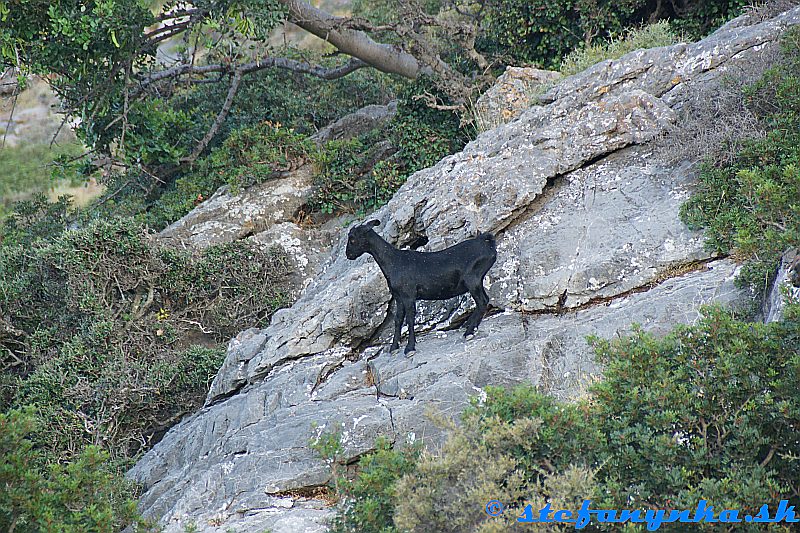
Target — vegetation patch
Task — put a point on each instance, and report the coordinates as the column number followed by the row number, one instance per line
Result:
column 362, row 174
column 749, row 204
column 367, row 498
column 111, row 336
column 248, row 156
column 83, row 495
column 650, row 36
column 543, row 33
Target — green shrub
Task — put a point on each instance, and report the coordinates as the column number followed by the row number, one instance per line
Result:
column 265, row 133
column 360, row 175
column 702, row 17
column 749, row 206
column 113, row 336
column 82, row 495
column 543, row 33
column 711, row 411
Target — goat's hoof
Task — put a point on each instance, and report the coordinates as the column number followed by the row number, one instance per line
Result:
column 393, row 348
column 410, row 353
column 469, row 336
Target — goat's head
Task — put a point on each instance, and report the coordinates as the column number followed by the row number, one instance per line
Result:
column 357, row 240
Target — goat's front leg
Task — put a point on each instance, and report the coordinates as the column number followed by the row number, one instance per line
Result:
column 399, row 316
column 411, row 311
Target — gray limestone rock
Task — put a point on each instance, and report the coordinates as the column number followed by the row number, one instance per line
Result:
column 512, row 93
column 785, row 287
column 227, row 217
column 364, row 120
column 589, row 242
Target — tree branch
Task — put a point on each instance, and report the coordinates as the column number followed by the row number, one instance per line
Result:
column 221, row 116
column 246, row 68
column 355, row 43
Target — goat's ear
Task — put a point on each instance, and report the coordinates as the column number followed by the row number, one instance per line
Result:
column 373, row 223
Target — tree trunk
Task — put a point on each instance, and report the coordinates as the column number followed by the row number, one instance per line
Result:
column 355, row 43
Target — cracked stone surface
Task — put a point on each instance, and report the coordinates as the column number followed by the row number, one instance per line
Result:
column 589, row 242
column 226, row 217
column 512, row 93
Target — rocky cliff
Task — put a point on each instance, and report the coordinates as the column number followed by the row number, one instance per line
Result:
column 585, row 205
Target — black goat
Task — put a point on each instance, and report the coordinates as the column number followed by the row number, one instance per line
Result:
column 413, row 276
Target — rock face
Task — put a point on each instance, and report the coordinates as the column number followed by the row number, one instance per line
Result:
column 512, row 94
column 589, row 242
column 227, row 217
column 786, row 284
column 364, row 120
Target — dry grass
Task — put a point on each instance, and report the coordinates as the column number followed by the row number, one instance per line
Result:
column 715, row 119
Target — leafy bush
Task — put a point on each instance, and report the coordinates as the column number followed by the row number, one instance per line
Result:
column 83, row 495
column 650, row 36
column 248, row 156
column 712, row 411
column 366, row 499
column 299, row 102
column 544, row 32
column 750, row 205
column 359, row 175
column 113, row 336
column 702, row 17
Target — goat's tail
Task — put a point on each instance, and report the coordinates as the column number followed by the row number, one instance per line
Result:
column 488, row 237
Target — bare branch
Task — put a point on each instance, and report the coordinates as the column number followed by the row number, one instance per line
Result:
column 171, row 15
column 247, row 68
column 221, row 116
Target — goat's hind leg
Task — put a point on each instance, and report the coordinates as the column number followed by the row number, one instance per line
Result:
column 411, row 312
column 478, row 294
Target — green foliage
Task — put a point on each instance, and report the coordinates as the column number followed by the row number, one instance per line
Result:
column 253, row 155
column 650, row 36
column 359, row 175
column 299, row 102
column 366, row 499
column 248, row 156
column 92, row 51
column 702, row 17
column 83, row 43
column 154, row 134
column 264, row 135
column 113, row 336
column 82, row 495
column 750, row 206
column 718, row 402
column 543, row 32
column 711, row 411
